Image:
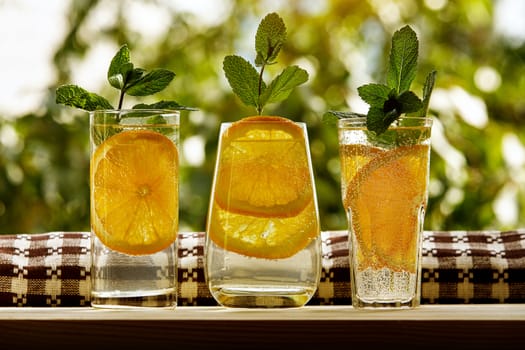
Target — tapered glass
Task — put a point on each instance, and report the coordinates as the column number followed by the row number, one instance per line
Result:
column 263, row 246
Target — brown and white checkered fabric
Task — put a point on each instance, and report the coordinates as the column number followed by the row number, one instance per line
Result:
column 52, row 269
column 473, row 267
column 191, row 286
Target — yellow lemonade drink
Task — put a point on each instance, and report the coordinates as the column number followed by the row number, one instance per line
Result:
column 384, row 183
column 263, row 233
column 134, row 185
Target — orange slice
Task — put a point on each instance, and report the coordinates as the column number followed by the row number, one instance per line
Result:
column 134, row 180
column 263, row 202
column 263, row 168
column 267, row 238
column 385, row 198
column 354, row 157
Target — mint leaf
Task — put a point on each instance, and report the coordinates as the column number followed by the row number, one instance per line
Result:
column 429, row 86
column 374, row 94
column 119, row 68
column 121, row 58
column 163, row 105
column 378, row 120
column 375, row 120
column 156, row 119
column 388, row 102
column 243, row 79
column 75, row 96
column 133, row 76
column 403, row 59
column 331, row 117
column 119, row 80
column 380, row 116
column 427, row 91
column 123, row 76
column 281, row 87
column 270, row 37
column 409, row 102
column 247, row 83
column 151, row 83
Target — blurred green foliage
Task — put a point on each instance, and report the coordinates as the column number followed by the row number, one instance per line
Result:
column 477, row 164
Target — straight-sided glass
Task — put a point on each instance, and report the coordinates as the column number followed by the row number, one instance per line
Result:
column 384, row 183
column 134, row 183
column 263, row 245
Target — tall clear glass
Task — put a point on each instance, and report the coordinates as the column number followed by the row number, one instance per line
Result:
column 263, row 246
column 384, row 186
column 134, row 184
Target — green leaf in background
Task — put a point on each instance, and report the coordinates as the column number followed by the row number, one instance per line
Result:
column 270, row 37
column 243, row 79
column 403, row 59
column 374, row 94
column 151, row 83
column 282, row 86
column 75, row 96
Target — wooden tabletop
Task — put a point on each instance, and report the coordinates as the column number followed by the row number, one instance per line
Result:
column 496, row 326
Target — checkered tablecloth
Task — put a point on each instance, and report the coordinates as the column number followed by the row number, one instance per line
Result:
column 52, row 269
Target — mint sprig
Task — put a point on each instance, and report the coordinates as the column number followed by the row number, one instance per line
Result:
column 389, row 101
column 247, row 83
column 75, row 96
column 123, row 76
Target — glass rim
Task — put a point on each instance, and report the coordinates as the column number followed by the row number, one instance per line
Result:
column 263, row 122
column 225, row 125
column 360, row 120
column 133, row 111
column 267, row 121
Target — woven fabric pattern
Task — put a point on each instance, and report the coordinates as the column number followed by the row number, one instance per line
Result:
column 52, row 269
column 473, row 267
column 49, row 269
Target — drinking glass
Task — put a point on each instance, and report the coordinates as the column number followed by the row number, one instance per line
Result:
column 384, row 186
column 263, row 245
column 134, row 198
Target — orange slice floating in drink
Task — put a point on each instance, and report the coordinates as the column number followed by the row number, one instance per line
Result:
column 263, row 195
column 264, row 170
column 354, row 157
column 134, row 179
column 386, row 197
column 267, row 238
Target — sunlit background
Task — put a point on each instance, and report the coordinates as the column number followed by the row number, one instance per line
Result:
column 477, row 46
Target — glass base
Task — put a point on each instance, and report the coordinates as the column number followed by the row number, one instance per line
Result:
column 120, row 280
column 157, row 299
column 375, row 304
column 385, row 288
column 261, row 297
